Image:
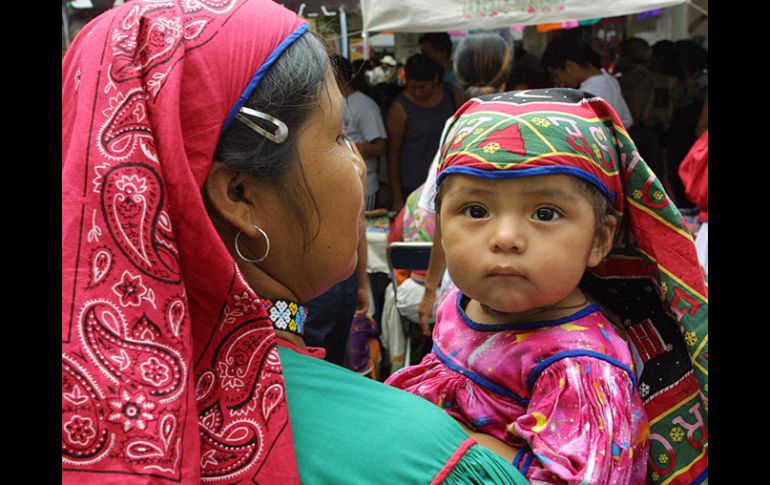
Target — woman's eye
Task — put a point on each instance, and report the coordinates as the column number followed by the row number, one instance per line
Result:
column 547, row 214
column 475, row 212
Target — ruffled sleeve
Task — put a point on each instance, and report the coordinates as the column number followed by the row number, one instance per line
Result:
column 585, row 423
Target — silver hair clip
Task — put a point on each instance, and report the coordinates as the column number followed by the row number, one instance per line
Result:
column 281, row 130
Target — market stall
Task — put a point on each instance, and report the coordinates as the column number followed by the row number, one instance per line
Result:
column 423, row 16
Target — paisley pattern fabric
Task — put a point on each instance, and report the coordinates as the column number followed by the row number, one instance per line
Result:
column 651, row 279
column 170, row 372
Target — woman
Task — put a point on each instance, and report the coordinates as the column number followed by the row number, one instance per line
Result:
column 203, row 164
column 414, row 122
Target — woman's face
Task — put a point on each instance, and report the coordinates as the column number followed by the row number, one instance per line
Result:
column 333, row 175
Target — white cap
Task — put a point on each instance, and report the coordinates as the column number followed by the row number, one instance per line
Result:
column 388, row 60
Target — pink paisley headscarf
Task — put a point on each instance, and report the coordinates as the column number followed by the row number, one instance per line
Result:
column 169, row 366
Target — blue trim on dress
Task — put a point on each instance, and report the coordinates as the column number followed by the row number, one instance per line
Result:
column 482, row 381
column 519, row 455
column 527, row 172
column 540, row 367
column 261, row 72
column 527, row 463
column 700, row 478
column 496, row 327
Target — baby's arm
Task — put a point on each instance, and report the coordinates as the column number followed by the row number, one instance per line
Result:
column 585, row 423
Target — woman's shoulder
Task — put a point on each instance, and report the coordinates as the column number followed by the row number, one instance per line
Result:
column 328, row 403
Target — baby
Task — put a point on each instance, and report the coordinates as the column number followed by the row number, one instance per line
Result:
column 526, row 204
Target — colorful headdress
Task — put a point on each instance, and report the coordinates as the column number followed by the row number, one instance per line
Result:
column 169, row 365
column 651, row 279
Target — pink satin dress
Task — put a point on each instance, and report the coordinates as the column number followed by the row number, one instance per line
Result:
column 563, row 391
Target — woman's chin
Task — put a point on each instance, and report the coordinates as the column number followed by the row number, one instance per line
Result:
column 340, row 276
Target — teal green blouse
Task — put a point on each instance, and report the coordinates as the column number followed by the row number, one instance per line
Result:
column 348, row 429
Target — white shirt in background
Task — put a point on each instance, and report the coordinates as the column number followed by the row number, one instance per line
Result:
column 608, row 88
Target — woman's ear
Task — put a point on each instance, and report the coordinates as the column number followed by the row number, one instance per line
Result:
column 229, row 193
column 603, row 241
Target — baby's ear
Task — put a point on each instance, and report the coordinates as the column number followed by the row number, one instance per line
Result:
column 605, row 236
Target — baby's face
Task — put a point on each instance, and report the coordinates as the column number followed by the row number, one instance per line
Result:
column 518, row 244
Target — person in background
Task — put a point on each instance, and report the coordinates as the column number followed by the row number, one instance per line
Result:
column 523, row 78
column 483, row 64
column 390, row 66
column 694, row 172
column 384, row 72
column 208, row 192
column 693, row 78
column 573, row 64
column 664, row 58
column 438, row 47
column 703, row 120
column 363, row 124
column 414, row 125
column 411, row 224
column 650, row 98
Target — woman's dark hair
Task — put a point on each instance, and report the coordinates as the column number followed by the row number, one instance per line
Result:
column 422, row 68
column 290, row 91
column 482, row 63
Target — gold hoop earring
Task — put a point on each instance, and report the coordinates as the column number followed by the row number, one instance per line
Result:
column 267, row 250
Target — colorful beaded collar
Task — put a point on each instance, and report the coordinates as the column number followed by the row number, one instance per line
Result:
column 286, row 315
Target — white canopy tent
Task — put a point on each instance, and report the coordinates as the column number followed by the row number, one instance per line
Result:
column 443, row 15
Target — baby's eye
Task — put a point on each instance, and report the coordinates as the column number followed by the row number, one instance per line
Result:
column 547, row 214
column 475, row 211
